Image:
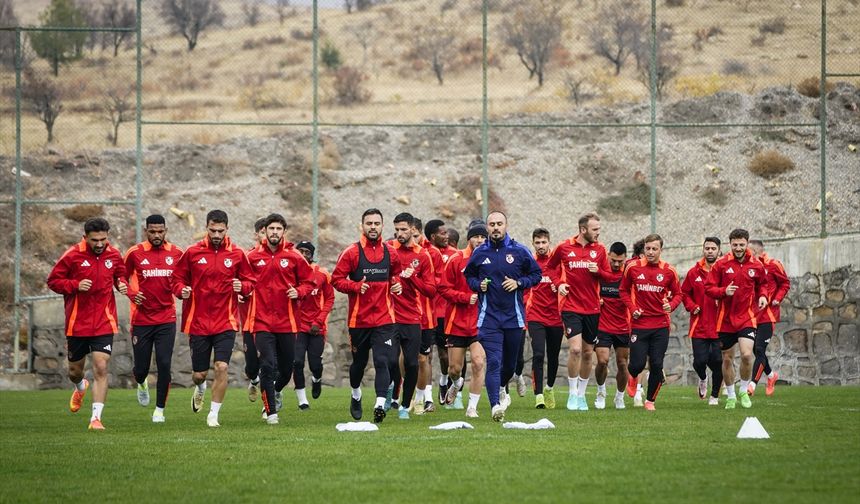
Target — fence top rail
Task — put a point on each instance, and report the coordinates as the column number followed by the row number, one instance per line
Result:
column 69, row 29
column 490, row 124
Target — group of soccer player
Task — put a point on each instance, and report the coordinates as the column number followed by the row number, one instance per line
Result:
column 409, row 294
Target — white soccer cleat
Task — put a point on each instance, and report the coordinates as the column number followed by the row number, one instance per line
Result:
column 272, row 419
column 713, row 401
column 143, row 393
column 521, row 386
column 498, row 413
column 157, row 417
column 600, row 400
column 212, row 420
column 619, row 403
column 197, row 400
column 637, row 400
column 504, row 400
column 471, row 413
column 703, row 389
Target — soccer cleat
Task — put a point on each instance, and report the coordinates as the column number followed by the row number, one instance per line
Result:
column 253, row 390
column 583, row 404
column 378, row 414
column 304, row 406
column 649, row 406
column 403, row 414
column 637, row 400
column 746, row 402
column 272, row 419
column 355, row 408
column 458, row 401
column 549, row 398
column 395, row 405
column 389, row 397
column 619, row 403
column 429, row 407
column 771, row 383
column 96, row 424
column 731, row 402
column 443, row 391
column 417, row 408
column 539, row 402
column 196, row 400
column 600, row 400
column 212, row 419
column 143, row 393
column 505, row 400
column 78, row 397
column 264, row 414
column 451, row 395
column 279, row 401
column 471, row 413
column 157, row 417
column 521, row 386
column 631, row 386
column 703, row 389
column 713, row 401
column 572, row 402
column 316, row 389
column 751, row 388
column 498, row 413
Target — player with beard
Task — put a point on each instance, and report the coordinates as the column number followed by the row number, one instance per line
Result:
column 613, row 330
column 778, row 286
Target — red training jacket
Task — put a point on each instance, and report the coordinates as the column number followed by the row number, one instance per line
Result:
column 271, row 310
column 375, row 307
column 542, row 299
column 461, row 318
column 90, row 313
column 778, row 286
column 614, row 315
column 210, row 271
column 148, row 270
column 644, row 286
column 315, row 307
column 440, row 304
column 573, row 259
column 428, row 318
column 703, row 324
column 410, row 305
column 739, row 311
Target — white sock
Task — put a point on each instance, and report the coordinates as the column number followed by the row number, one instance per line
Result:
column 573, row 384
column 443, row 380
column 730, row 391
column 772, row 374
column 639, row 387
column 502, row 392
column 619, row 395
column 215, row 407
column 473, row 400
column 202, row 387
column 601, row 389
column 428, row 393
column 80, row 386
column 97, row 411
column 380, row 402
column 159, row 410
column 460, row 382
column 256, row 381
column 547, row 388
column 516, row 377
column 419, row 396
column 583, row 384
column 356, row 393
column 744, row 385
column 302, row 396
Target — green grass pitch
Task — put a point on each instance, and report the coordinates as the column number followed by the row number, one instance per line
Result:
column 683, row 452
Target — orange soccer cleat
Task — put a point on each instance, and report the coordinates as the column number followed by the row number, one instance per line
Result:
column 771, row 383
column 96, row 425
column 631, row 386
column 649, row 406
column 78, row 397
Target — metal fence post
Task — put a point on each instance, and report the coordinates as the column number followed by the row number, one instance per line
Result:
column 138, row 163
column 16, row 333
column 653, row 126
column 822, row 117
column 315, row 198
column 485, row 126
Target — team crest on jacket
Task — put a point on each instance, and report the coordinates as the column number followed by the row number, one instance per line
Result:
column 285, row 262
column 660, row 277
column 169, row 260
column 444, row 258
column 228, row 262
column 509, row 258
column 593, row 254
column 752, row 273
column 109, row 264
column 415, row 263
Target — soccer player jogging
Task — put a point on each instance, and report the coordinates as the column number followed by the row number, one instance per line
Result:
column 778, row 286
column 613, row 330
column 703, row 322
column 314, row 310
column 418, row 280
column 148, row 268
column 499, row 271
column 738, row 282
column 461, row 323
column 252, row 360
column 544, row 322
column 638, row 253
column 283, row 277
column 86, row 275
column 651, row 292
column 582, row 260
column 207, row 278
column 368, row 273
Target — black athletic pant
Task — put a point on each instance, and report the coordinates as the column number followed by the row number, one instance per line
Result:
column 252, row 360
column 762, row 337
column 143, row 338
column 313, row 345
column 546, row 343
column 649, row 345
column 521, row 360
column 275, row 349
column 707, row 354
column 381, row 340
column 409, row 342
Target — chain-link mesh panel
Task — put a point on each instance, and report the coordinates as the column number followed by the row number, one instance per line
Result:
column 843, row 155
column 843, row 38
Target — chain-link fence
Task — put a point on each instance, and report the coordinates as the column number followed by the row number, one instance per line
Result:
column 688, row 117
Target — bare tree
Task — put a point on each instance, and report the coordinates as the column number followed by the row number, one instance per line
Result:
column 43, row 98
column 281, row 9
column 616, row 33
column 577, row 88
column 117, row 108
column 363, row 33
column 435, row 44
column 358, row 5
column 189, row 17
column 7, row 38
column 534, row 30
column 117, row 14
column 668, row 65
column 251, row 11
